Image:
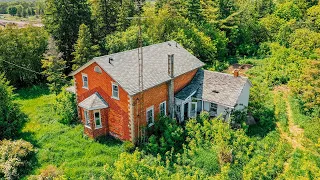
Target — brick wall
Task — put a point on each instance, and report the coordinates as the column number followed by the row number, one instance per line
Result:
column 156, row 95
column 117, row 115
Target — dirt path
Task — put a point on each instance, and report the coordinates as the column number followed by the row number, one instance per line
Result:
column 295, row 135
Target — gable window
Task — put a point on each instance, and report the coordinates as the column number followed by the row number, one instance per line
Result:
column 115, row 91
column 97, row 69
column 163, row 109
column 85, row 81
column 97, row 119
column 87, row 118
column 150, row 116
column 213, row 108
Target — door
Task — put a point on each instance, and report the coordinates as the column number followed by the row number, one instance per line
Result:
column 193, row 110
column 185, row 111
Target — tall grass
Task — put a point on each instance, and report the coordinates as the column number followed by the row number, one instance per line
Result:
column 60, row 145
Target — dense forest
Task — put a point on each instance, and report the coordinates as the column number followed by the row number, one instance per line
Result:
column 279, row 38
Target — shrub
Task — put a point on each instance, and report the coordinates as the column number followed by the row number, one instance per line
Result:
column 49, row 173
column 15, row 158
column 128, row 146
column 66, row 107
column 167, row 134
column 11, row 118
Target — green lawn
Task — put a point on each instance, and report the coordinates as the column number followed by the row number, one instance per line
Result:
column 60, row 145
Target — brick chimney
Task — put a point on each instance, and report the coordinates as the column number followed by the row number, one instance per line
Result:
column 236, row 73
column 171, row 85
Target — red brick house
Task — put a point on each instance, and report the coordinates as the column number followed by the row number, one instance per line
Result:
column 107, row 87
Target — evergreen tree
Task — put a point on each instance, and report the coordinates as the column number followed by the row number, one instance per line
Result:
column 126, row 10
column 62, row 19
column 54, row 67
column 104, row 19
column 194, row 10
column 84, row 50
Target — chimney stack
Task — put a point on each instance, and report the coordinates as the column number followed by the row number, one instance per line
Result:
column 171, row 65
column 110, row 59
column 171, row 85
column 236, row 73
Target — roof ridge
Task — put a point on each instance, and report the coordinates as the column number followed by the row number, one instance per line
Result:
column 126, row 51
column 226, row 74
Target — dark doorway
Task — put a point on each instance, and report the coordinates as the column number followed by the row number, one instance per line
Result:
column 186, row 110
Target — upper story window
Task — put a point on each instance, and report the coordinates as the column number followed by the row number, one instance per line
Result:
column 97, row 119
column 87, row 118
column 163, row 108
column 115, row 91
column 85, row 81
column 150, row 116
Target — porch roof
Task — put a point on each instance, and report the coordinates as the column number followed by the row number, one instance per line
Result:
column 216, row 87
column 94, row 102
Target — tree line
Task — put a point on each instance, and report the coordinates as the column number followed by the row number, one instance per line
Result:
column 23, row 8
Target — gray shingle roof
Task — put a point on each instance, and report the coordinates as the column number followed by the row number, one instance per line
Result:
column 220, row 88
column 125, row 68
column 93, row 102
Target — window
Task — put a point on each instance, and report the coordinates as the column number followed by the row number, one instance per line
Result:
column 163, row 109
column 97, row 119
column 213, row 107
column 150, row 116
column 85, row 81
column 97, row 69
column 115, row 91
column 87, row 118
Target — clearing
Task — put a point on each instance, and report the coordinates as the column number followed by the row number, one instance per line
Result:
column 60, row 145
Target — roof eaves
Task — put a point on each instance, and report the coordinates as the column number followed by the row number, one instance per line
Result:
column 82, row 68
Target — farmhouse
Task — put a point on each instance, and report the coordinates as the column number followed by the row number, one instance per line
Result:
column 108, row 90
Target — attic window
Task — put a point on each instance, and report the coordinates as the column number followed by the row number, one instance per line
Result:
column 215, row 91
column 97, row 69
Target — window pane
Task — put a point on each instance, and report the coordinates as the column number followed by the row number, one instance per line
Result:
column 97, row 118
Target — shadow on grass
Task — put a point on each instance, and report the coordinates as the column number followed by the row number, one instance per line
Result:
column 109, row 140
column 33, row 92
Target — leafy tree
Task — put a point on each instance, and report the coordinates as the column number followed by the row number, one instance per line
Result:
column 288, row 10
column 22, row 47
column 121, row 41
column 11, row 119
column 12, row 10
column 313, row 17
column 305, row 41
column 84, row 50
column 62, row 20
column 20, row 10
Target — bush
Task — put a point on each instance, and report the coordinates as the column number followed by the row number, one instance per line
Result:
column 49, row 173
column 15, row 158
column 11, row 118
column 128, row 146
column 167, row 134
column 66, row 107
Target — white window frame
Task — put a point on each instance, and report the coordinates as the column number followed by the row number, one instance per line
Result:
column 151, row 108
column 115, row 85
column 86, row 114
column 165, row 108
column 83, row 84
column 94, row 117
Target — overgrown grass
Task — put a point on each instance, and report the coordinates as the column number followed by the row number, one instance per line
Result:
column 281, row 111
column 60, row 145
